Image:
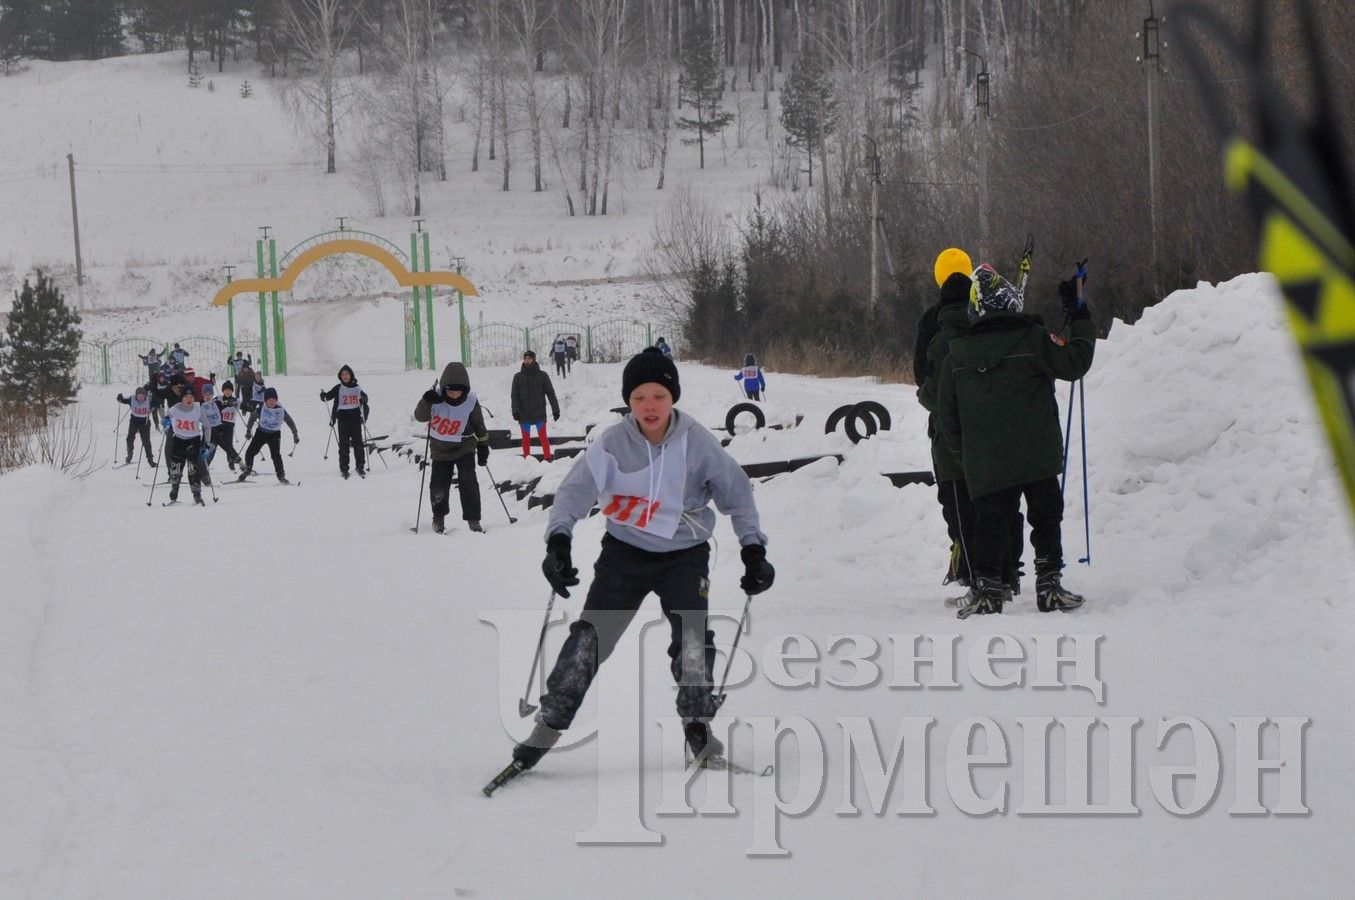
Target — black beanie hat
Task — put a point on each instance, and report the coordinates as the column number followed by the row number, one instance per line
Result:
column 650, row 366
column 227, row 386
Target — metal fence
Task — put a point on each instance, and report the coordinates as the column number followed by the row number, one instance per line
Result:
column 119, row 361
column 615, row 340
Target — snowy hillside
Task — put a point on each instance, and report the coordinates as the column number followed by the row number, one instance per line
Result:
column 289, row 694
column 174, row 182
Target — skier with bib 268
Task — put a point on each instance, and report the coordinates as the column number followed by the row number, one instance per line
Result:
column 996, row 406
column 270, row 418
column 751, row 377
column 184, row 428
column 458, row 439
column 139, row 422
column 653, row 474
column 348, row 413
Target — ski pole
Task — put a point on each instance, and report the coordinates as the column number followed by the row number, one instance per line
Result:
column 1086, row 491
column 330, row 438
column 525, row 709
column 117, row 430
column 1067, row 436
column 495, row 485
column 155, row 479
column 428, row 438
column 140, row 452
column 367, row 437
column 729, row 661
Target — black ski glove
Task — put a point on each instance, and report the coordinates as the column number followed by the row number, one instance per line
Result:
column 1073, row 308
column 121, row 399
column 758, row 574
column 322, row 396
column 557, row 566
column 482, row 454
column 431, row 397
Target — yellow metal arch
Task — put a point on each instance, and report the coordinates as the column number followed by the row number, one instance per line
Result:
column 288, row 278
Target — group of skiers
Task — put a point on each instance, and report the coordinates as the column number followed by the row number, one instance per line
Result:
column 985, row 372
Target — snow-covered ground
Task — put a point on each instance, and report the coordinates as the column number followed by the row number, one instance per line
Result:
column 289, row 694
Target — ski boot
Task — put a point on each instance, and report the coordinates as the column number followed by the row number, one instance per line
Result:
column 282, row 479
column 474, row 525
column 439, row 525
column 1051, row 595
column 704, row 745
column 345, row 475
column 529, row 752
column 245, row 472
column 985, row 599
column 197, row 500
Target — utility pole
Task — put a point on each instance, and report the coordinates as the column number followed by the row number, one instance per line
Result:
column 75, row 223
column 874, row 161
column 1151, row 60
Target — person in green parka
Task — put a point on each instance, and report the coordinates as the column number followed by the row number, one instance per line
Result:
column 997, row 412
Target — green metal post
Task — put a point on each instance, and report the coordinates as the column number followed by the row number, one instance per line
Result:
column 263, row 315
column 428, row 301
column 418, row 315
column 103, row 352
column 461, row 322
column 649, row 335
column 230, row 324
column 279, row 334
column 526, row 339
column 588, row 342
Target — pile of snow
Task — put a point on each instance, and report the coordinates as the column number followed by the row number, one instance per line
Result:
column 287, row 692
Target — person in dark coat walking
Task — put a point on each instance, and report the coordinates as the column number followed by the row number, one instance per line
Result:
column 531, row 390
column 458, row 439
column 996, row 408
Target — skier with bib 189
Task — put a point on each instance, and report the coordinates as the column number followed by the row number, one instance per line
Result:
column 270, row 418
column 996, row 406
column 139, row 423
column 458, row 439
column 348, row 413
column 654, row 475
column 751, row 377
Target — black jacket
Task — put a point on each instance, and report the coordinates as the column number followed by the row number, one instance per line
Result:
column 455, row 374
column 531, row 390
column 333, row 395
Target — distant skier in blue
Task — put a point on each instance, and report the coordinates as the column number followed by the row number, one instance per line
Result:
column 754, row 382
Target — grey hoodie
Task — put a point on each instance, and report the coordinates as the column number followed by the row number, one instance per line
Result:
column 712, row 474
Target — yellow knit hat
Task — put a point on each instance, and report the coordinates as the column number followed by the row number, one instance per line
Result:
column 950, row 261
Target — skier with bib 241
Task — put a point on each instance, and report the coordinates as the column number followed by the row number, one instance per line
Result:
column 654, row 475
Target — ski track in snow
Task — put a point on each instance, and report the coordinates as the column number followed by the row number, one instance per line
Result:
column 287, row 693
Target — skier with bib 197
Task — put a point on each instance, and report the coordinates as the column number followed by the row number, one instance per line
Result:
column 996, row 406
column 458, row 439
column 653, row 474
column 184, row 429
column 751, row 377
column 139, row 422
column 223, row 434
column 348, row 412
column 270, row 418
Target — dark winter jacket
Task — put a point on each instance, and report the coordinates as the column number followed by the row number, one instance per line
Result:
column 333, row 395
column 244, row 385
column 949, row 319
column 995, row 398
column 454, row 374
column 531, row 390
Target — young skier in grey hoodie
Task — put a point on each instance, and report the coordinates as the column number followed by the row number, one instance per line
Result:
column 653, row 475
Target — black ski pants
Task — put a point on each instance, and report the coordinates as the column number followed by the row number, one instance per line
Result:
column 440, row 487
column 993, row 517
column 141, row 427
column 561, row 367
column 186, row 454
column 958, row 511
column 623, row 577
column 350, row 436
column 223, row 436
column 274, row 441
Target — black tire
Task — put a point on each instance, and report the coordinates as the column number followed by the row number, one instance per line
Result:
column 858, row 415
column 836, row 417
column 759, row 420
column 878, row 411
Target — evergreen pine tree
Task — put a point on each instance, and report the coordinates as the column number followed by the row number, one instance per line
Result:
column 40, row 348
column 808, row 107
column 765, row 259
column 701, row 86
